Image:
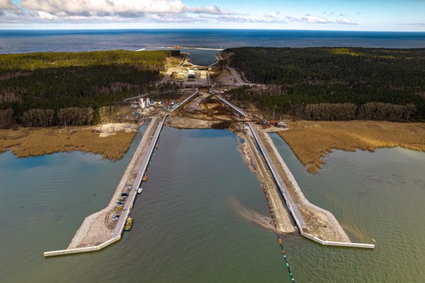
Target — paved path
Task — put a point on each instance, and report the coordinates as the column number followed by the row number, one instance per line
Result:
column 186, row 100
column 238, row 79
column 147, row 155
column 231, row 105
column 293, row 208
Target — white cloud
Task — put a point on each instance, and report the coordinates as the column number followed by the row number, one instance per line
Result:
column 141, row 11
column 103, row 7
column 207, row 10
column 7, row 5
column 319, row 20
column 345, row 22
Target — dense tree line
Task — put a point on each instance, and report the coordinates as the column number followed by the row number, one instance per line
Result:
column 38, row 118
column 272, row 103
column 16, row 63
column 387, row 111
column 331, row 112
column 6, row 118
column 296, row 77
column 32, row 82
column 69, row 116
column 369, row 111
column 75, row 116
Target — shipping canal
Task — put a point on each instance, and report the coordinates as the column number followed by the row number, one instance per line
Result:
column 186, row 227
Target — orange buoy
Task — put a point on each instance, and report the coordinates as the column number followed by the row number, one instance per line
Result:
column 280, row 241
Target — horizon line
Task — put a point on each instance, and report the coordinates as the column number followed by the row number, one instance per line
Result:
column 238, row 29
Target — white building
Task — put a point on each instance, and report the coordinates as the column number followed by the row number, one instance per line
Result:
column 191, row 74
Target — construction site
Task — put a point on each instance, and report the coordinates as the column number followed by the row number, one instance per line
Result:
column 202, row 105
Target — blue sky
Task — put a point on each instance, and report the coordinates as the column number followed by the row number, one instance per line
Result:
column 379, row 15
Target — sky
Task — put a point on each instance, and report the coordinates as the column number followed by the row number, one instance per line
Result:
column 361, row 15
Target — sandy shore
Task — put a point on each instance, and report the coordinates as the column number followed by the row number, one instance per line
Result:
column 26, row 142
column 311, row 140
column 180, row 122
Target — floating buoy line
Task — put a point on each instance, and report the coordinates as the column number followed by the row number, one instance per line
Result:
column 285, row 258
column 279, row 238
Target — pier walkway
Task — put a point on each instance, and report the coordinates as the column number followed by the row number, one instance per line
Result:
column 185, row 101
column 231, row 105
column 145, row 156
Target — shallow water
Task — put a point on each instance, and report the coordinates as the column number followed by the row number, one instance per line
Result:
column 185, row 229
column 43, row 201
column 377, row 196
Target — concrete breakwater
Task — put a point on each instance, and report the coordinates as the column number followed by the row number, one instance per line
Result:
column 98, row 230
column 313, row 222
column 296, row 213
column 331, row 218
column 293, row 209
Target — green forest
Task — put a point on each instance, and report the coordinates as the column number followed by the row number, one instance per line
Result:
column 53, row 81
column 297, row 77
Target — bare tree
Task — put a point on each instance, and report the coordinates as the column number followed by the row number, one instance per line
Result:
column 6, row 118
column 38, row 118
column 75, row 116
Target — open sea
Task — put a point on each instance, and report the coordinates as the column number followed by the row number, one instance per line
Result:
column 22, row 41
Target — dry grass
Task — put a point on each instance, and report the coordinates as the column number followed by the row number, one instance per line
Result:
column 312, row 140
column 26, row 142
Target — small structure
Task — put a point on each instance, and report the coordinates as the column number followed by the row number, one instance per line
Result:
column 142, row 103
column 191, row 74
column 282, row 124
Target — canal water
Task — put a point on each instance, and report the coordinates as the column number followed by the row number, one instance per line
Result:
column 202, row 57
column 197, row 56
column 186, row 228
